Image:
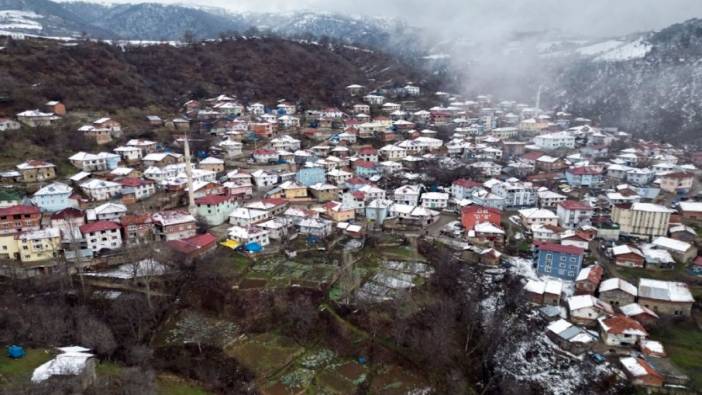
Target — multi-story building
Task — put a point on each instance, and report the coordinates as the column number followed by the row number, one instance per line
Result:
column 19, row 218
column 174, row 225
column 516, row 193
column 573, row 214
column 101, row 235
column 54, row 197
column 553, row 141
column 559, row 261
column 642, row 219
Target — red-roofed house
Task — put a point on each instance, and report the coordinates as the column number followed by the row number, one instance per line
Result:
column 474, row 214
column 621, row 330
column 19, row 218
column 463, row 188
column 135, row 189
column 588, row 280
column 559, row 260
column 584, row 176
column 195, row 246
column 101, row 235
column 137, row 229
column 368, row 154
column 574, row 214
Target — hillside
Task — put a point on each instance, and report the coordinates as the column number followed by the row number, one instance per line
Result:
column 653, row 93
column 96, row 76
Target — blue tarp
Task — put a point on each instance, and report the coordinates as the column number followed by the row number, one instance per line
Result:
column 253, row 247
column 15, row 352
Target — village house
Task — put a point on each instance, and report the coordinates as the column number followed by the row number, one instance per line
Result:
column 642, row 314
column 137, row 229
column 586, row 309
column 621, row 331
column 101, row 235
column 35, row 118
column 537, row 216
column 569, row 337
column 617, row 292
column 475, row 214
column 515, row 193
column 677, row 182
column 292, row 190
column 263, row 179
column 435, row 200
column 215, row 209
column 68, row 222
column 19, row 218
column 33, row 171
column 212, row 164
column 407, row 194
column 99, row 190
column 549, row 199
column 324, row 192
column 680, row 250
column 559, row 261
column 38, row 245
column 584, row 176
column 338, row 212
column 8, row 124
column 248, row 235
column 691, row 210
column 392, row 152
column 628, row 256
column 265, row 156
column 554, row 141
column 640, row 372
column 129, row 154
column 162, row 159
column 546, row 292
column 134, row 189
column 106, row 212
column 640, row 177
column 588, row 280
column 54, row 197
column 174, row 225
column 463, row 188
column 642, row 219
column 243, row 216
column 231, row 148
column 574, row 214
column 665, row 297
column 102, row 161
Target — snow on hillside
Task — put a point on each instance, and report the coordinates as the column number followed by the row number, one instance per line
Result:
column 633, row 50
column 596, row 49
column 19, row 20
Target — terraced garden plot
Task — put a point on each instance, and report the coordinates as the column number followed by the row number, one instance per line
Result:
column 193, row 327
column 264, row 354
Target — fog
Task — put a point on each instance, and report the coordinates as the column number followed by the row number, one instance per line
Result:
column 593, row 18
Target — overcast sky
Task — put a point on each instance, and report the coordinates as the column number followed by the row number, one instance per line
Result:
column 589, row 17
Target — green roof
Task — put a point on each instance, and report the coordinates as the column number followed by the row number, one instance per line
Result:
column 7, row 195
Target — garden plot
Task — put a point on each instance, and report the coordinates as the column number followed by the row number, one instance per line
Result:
column 192, row 327
column 280, row 273
column 318, row 371
column 264, row 354
column 393, row 380
column 393, row 277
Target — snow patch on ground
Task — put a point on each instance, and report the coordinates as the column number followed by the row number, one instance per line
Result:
column 599, row 48
column 16, row 19
column 633, row 50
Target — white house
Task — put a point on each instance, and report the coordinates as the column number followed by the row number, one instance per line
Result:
column 106, row 212
column 538, row 216
column 407, row 194
column 621, row 330
column 252, row 234
column 101, row 189
column 552, row 141
column 263, row 179
column 435, row 200
column 102, row 235
column 242, row 216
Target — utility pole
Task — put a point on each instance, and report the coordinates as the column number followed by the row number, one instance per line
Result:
column 189, row 174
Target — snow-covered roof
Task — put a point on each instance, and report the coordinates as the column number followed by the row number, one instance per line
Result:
column 53, row 189
column 672, row 244
column 70, row 362
column 617, row 283
column 665, row 290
